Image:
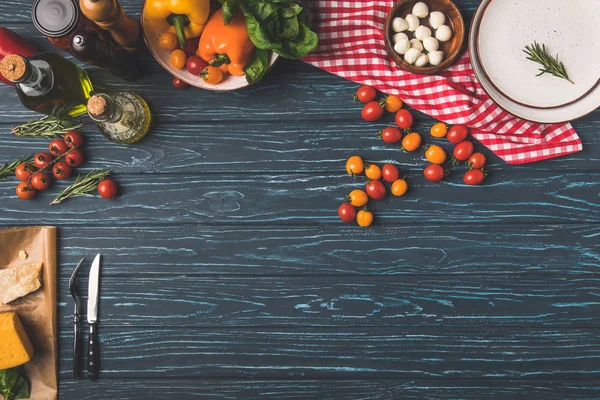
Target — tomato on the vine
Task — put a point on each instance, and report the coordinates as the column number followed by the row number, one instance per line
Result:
column 477, row 160
column 463, row 150
column 24, row 171
column 372, row 111
column 355, row 165
column 25, row 191
column 179, row 84
column 435, row 154
column 364, row 218
column 372, row 171
column 404, row 119
column 73, row 139
column 375, row 189
column 399, row 187
column 457, row 134
column 58, row 147
column 434, row 172
column 411, row 142
column 74, row 158
column 107, row 189
column 61, row 170
column 390, row 134
column 40, row 181
column 390, row 173
column 358, row 198
column 366, row 94
column 474, row 177
column 347, row 212
column 439, row 130
column 392, row 103
column 40, row 160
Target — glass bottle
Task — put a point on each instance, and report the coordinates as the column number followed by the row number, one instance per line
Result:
column 48, row 83
column 123, row 117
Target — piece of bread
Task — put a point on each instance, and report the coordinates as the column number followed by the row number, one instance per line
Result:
column 19, row 281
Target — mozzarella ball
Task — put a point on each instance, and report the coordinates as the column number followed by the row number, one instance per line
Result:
column 431, row 44
column 398, row 36
column 411, row 56
column 422, row 60
column 420, row 9
column 402, row 46
column 416, row 44
column 413, row 22
column 436, row 57
column 443, row 33
column 399, row 24
column 437, row 19
column 422, row 32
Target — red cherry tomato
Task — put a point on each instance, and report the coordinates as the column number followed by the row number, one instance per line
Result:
column 477, row 160
column 404, row 119
column 58, row 147
column 25, row 191
column 73, row 139
column 40, row 181
column 390, row 173
column 390, row 134
column 61, row 170
column 457, row 134
column 107, row 189
column 372, row 111
column 347, row 212
column 434, row 172
column 179, row 84
column 191, row 46
column 195, row 64
column 74, row 158
column 463, row 150
column 42, row 159
column 474, row 177
column 24, row 171
column 366, row 94
column 375, row 189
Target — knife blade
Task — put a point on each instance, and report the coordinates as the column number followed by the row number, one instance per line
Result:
column 93, row 357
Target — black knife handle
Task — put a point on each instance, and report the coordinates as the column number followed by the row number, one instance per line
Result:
column 93, row 357
column 76, row 346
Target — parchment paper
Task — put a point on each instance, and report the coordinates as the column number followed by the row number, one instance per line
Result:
column 38, row 309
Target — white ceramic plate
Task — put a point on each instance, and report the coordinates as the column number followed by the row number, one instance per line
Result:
column 568, row 28
column 578, row 109
column 151, row 35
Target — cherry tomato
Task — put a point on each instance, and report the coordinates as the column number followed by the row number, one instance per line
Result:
column 168, row 40
column 390, row 134
column 179, row 84
column 439, row 130
column 375, row 189
column 24, row 171
column 435, row 154
column 411, row 142
column 399, row 187
column 434, row 172
column 358, row 198
column 73, row 139
column 61, row 170
column 178, row 58
column 25, row 191
column 40, row 181
column 457, row 134
column 191, row 46
column 355, row 165
column 211, row 75
column 107, row 189
column 372, row 171
column 463, row 150
column 404, row 119
column 74, row 158
column 393, row 103
column 41, row 159
column 58, row 147
column 195, row 65
column 347, row 212
column 474, row 177
column 477, row 160
column 365, row 94
column 390, row 172
column 372, row 111
column 364, row 218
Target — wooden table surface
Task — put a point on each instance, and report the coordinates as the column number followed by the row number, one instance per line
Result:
column 227, row 273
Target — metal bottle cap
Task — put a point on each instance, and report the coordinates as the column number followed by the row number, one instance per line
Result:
column 55, row 18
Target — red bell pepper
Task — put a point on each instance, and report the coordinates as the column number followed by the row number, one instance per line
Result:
column 11, row 43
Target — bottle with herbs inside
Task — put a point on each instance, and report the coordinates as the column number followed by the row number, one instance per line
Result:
column 123, row 117
column 48, row 83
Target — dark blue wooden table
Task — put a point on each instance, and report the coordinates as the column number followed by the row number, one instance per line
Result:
column 227, row 273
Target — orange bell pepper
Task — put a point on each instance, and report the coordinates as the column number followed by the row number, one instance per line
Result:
column 226, row 46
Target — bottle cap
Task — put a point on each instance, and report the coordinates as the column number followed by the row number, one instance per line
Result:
column 13, row 67
column 97, row 105
column 55, row 18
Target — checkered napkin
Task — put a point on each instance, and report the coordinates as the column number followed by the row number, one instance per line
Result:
column 351, row 45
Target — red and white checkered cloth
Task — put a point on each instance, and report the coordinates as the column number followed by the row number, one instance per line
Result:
column 351, row 45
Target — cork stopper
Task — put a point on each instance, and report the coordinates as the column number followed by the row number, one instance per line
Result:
column 13, row 67
column 97, row 105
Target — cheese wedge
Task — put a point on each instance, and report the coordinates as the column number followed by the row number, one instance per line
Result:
column 19, row 281
column 15, row 347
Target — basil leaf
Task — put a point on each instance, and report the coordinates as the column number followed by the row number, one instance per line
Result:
column 13, row 385
column 230, row 8
column 257, row 67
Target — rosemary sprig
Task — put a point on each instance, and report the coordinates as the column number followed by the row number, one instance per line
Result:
column 550, row 65
column 47, row 127
column 83, row 185
column 7, row 170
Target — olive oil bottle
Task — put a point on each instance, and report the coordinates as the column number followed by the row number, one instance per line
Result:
column 123, row 117
column 48, row 83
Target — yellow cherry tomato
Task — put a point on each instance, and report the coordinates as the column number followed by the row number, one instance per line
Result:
column 411, row 142
column 178, row 58
column 355, row 165
column 211, row 75
column 168, row 41
column 364, row 218
column 358, row 198
column 393, row 103
column 399, row 187
column 435, row 154
column 373, row 172
column 439, row 130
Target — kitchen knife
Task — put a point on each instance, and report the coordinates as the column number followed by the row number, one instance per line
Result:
column 93, row 357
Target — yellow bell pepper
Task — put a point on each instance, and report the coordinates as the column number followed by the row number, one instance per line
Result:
column 186, row 18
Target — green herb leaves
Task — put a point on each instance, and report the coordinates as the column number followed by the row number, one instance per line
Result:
column 13, row 385
column 46, row 127
column 550, row 65
column 83, row 186
column 257, row 67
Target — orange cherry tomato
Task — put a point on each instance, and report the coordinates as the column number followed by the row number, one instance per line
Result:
column 393, row 103
column 364, row 218
column 435, row 154
column 373, row 171
column 439, row 130
column 399, row 187
column 355, row 165
column 211, row 75
column 411, row 142
column 178, row 58
column 168, row 40
column 358, row 198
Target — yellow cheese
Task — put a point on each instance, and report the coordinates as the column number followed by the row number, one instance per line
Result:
column 15, row 347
